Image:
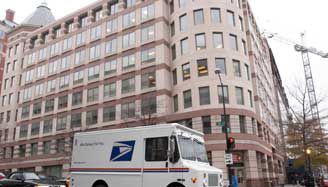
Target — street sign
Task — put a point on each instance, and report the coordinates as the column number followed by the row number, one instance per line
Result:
column 228, row 159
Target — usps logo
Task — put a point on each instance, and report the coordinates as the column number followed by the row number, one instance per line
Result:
column 122, row 151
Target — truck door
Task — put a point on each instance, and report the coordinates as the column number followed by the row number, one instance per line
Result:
column 158, row 168
column 155, row 168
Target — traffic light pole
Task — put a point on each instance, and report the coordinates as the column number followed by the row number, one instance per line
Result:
column 226, row 130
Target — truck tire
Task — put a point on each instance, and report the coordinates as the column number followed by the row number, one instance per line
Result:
column 100, row 185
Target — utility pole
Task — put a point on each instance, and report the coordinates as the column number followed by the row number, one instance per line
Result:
column 226, row 128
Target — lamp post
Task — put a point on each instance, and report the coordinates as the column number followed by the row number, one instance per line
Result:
column 218, row 72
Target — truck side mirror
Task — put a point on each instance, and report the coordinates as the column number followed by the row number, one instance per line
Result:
column 172, row 149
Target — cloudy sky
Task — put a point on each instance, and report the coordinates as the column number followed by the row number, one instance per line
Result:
column 288, row 18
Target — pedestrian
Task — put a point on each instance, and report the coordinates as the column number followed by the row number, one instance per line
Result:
column 234, row 181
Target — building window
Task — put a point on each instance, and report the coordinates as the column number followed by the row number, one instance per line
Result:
column 171, row 7
column 147, row 12
column 200, row 41
column 78, row 77
column 62, row 102
column 173, row 52
column 224, row 95
column 28, row 76
column 49, row 105
column 233, row 42
column 215, row 15
column 77, row 98
column 148, row 33
column 67, row 43
column 25, row 111
column 61, row 123
column 76, row 120
column 8, row 116
column 186, row 71
column 52, row 67
column 241, row 24
column 92, row 117
column 23, row 131
column 206, row 121
column 81, row 38
column 202, row 67
column 148, row 106
column 129, row 61
column 148, row 55
column 95, row 32
column 226, row 119
column 64, row 81
column 97, row 15
column 128, row 85
column 37, row 108
column 204, row 95
column 217, row 40
column 51, row 85
column 95, row 52
column 220, row 64
column 236, row 68
column 148, row 80
column 111, row 46
column 110, row 90
column 240, row 96
column 129, row 3
column 175, row 103
column 172, row 28
column 113, row 7
column 128, row 110
column 110, row 67
column 187, row 99
column 247, row 72
column 40, row 71
column 54, row 50
column 35, row 129
column 250, row 96
column 129, row 19
column 183, row 23
column 93, row 72
column 198, row 17
column 184, row 46
column 111, row 26
column 242, row 124
column 129, row 40
column 60, row 145
column 174, row 77
column 46, row 147
column 34, row 149
column 38, row 90
column 22, row 150
column 93, row 94
column 109, row 113
column 27, row 94
column 182, row 3
column 47, row 126
column 231, row 18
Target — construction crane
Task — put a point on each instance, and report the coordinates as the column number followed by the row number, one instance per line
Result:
column 304, row 50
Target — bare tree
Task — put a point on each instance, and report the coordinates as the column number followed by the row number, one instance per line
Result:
column 304, row 132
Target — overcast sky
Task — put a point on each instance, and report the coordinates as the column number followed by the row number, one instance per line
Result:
column 287, row 17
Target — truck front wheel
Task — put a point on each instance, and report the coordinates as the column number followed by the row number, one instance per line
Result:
column 175, row 184
column 100, row 183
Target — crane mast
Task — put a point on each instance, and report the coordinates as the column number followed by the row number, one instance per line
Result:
column 304, row 50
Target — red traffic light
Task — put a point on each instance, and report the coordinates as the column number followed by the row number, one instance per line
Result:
column 231, row 143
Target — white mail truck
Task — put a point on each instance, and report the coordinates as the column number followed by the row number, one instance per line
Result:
column 168, row 155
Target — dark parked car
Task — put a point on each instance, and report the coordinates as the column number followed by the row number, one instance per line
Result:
column 27, row 179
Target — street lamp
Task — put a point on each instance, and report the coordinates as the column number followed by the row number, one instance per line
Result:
column 218, row 72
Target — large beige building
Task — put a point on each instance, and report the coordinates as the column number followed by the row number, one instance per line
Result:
column 125, row 63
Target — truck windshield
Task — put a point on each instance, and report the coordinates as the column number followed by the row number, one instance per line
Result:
column 192, row 149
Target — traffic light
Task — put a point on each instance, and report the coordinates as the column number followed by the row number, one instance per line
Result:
column 231, row 143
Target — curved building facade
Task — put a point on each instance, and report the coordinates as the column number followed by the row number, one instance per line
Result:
column 116, row 64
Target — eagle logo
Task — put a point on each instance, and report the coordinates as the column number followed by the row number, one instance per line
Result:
column 122, row 151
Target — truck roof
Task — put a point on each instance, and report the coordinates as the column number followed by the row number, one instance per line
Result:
column 140, row 128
